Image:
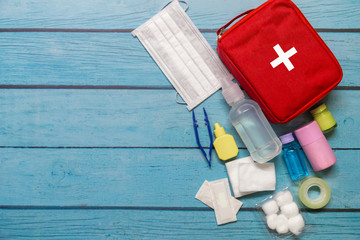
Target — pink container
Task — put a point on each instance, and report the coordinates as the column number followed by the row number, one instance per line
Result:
column 316, row 147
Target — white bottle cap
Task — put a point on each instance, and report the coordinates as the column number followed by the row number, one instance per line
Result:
column 232, row 92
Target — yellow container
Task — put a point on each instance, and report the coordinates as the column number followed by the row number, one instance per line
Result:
column 324, row 118
column 225, row 145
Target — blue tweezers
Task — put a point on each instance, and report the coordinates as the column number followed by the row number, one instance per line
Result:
column 207, row 123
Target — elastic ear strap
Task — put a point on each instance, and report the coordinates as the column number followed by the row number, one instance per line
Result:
column 187, row 5
column 222, row 29
column 176, row 99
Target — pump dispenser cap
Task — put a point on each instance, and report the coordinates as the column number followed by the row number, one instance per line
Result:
column 287, row 138
column 219, row 131
column 232, row 92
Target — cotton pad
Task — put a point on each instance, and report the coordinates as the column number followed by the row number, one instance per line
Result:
column 204, row 196
column 282, row 225
column 283, row 197
column 296, row 224
column 232, row 168
column 290, row 209
column 270, row 207
column 271, row 221
column 254, row 177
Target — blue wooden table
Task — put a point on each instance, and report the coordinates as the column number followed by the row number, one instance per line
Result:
column 93, row 145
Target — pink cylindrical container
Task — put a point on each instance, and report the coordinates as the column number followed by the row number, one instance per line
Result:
column 316, row 147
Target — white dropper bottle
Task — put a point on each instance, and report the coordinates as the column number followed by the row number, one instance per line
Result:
column 251, row 124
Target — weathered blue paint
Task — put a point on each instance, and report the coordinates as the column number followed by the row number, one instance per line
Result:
column 124, row 161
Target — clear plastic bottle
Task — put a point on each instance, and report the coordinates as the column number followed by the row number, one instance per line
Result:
column 294, row 157
column 251, row 124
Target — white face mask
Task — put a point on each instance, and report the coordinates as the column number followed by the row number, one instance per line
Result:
column 183, row 54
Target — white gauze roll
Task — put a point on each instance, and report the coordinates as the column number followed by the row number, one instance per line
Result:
column 296, row 224
column 270, row 207
column 282, row 225
column 283, row 197
column 290, row 209
column 271, row 221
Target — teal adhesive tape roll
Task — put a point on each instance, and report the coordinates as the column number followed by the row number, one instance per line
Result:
column 321, row 200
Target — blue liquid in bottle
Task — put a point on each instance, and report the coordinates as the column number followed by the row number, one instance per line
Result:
column 294, row 157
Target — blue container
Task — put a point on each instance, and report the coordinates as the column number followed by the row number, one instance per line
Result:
column 294, row 157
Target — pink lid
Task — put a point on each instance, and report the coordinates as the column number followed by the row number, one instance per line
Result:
column 308, row 133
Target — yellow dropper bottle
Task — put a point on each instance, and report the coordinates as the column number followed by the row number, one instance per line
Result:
column 225, row 145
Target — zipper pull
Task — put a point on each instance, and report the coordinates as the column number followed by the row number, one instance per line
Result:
column 220, row 32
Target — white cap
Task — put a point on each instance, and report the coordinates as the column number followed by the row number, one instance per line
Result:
column 232, row 92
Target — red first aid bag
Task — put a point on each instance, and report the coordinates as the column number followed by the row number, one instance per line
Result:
column 279, row 59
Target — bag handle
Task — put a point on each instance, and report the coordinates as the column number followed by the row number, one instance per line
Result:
column 221, row 30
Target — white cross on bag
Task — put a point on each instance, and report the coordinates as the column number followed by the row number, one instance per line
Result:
column 283, row 57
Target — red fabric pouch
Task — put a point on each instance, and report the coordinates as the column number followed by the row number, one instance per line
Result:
column 279, row 59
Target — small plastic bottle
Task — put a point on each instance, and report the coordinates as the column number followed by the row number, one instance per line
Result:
column 251, row 124
column 225, row 145
column 324, row 118
column 294, row 157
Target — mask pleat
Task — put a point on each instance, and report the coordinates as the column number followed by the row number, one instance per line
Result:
column 212, row 61
column 172, row 61
column 194, row 61
column 192, row 74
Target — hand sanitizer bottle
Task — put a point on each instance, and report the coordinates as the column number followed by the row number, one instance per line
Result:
column 251, row 124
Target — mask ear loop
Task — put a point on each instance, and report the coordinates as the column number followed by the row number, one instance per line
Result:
column 176, row 99
column 183, row 1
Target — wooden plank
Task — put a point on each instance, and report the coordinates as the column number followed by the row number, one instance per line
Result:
column 127, row 224
column 115, row 59
column 130, row 14
column 141, row 177
column 137, row 118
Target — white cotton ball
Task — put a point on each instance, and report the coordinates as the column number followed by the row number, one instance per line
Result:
column 296, row 224
column 290, row 209
column 282, row 225
column 283, row 197
column 270, row 207
column 271, row 221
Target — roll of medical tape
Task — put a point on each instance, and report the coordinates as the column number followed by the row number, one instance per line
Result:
column 321, row 200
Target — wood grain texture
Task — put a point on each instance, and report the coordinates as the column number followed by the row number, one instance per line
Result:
column 142, row 177
column 128, row 224
column 123, row 164
column 137, row 118
column 129, row 14
column 116, row 59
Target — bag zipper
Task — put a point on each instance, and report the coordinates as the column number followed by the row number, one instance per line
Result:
column 221, row 31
